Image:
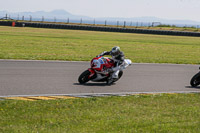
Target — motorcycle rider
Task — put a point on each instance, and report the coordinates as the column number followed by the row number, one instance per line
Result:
column 118, row 58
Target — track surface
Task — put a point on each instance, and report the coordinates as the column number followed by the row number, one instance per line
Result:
column 49, row 77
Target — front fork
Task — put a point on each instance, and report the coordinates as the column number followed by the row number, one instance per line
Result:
column 92, row 73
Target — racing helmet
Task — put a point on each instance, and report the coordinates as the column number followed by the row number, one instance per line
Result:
column 115, row 51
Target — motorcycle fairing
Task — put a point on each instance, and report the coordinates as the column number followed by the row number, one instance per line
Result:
column 100, row 63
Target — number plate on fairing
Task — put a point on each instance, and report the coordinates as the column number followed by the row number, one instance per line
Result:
column 101, row 61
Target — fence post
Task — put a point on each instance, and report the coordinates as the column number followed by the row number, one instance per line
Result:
column 42, row 18
column 30, row 18
column 81, row 21
column 6, row 16
column 68, row 20
column 124, row 24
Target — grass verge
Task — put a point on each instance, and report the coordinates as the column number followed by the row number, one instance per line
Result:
column 139, row 113
column 74, row 45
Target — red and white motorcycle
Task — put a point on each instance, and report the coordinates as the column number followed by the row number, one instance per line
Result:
column 99, row 71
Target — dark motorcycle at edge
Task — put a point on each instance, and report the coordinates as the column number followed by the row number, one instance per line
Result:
column 195, row 81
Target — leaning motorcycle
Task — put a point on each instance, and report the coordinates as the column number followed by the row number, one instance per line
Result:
column 195, row 81
column 99, row 70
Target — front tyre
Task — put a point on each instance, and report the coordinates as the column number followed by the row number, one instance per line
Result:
column 84, row 77
column 195, row 81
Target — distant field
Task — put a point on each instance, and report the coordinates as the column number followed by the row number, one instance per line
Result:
column 75, row 45
column 158, row 27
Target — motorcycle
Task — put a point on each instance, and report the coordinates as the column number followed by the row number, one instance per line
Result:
column 100, row 70
column 195, row 81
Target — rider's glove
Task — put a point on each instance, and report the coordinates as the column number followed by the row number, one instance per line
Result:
column 102, row 54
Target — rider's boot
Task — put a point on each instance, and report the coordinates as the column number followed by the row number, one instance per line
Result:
column 110, row 80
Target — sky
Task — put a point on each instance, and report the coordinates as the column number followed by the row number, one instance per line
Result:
column 166, row 9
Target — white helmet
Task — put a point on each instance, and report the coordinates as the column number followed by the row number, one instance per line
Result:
column 115, row 51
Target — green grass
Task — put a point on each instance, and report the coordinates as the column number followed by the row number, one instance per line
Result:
column 74, row 45
column 140, row 113
column 151, row 113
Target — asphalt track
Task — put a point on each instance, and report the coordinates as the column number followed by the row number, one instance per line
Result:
column 60, row 78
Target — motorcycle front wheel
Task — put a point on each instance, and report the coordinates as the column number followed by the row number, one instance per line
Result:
column 83, row 78
column 195, row 81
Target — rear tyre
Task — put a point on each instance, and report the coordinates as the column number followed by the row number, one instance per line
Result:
column 119, row 76
column 83, row 78
column 195, row 81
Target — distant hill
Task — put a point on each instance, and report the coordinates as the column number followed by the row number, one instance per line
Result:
column 62, row 14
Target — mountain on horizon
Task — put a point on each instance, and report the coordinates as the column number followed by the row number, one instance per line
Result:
column 59, row 14
column 62, row 14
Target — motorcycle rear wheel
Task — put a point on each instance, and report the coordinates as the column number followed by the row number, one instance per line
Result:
column 115, row 80
column 195, row 81
column 83, row 78
column 119, row 76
